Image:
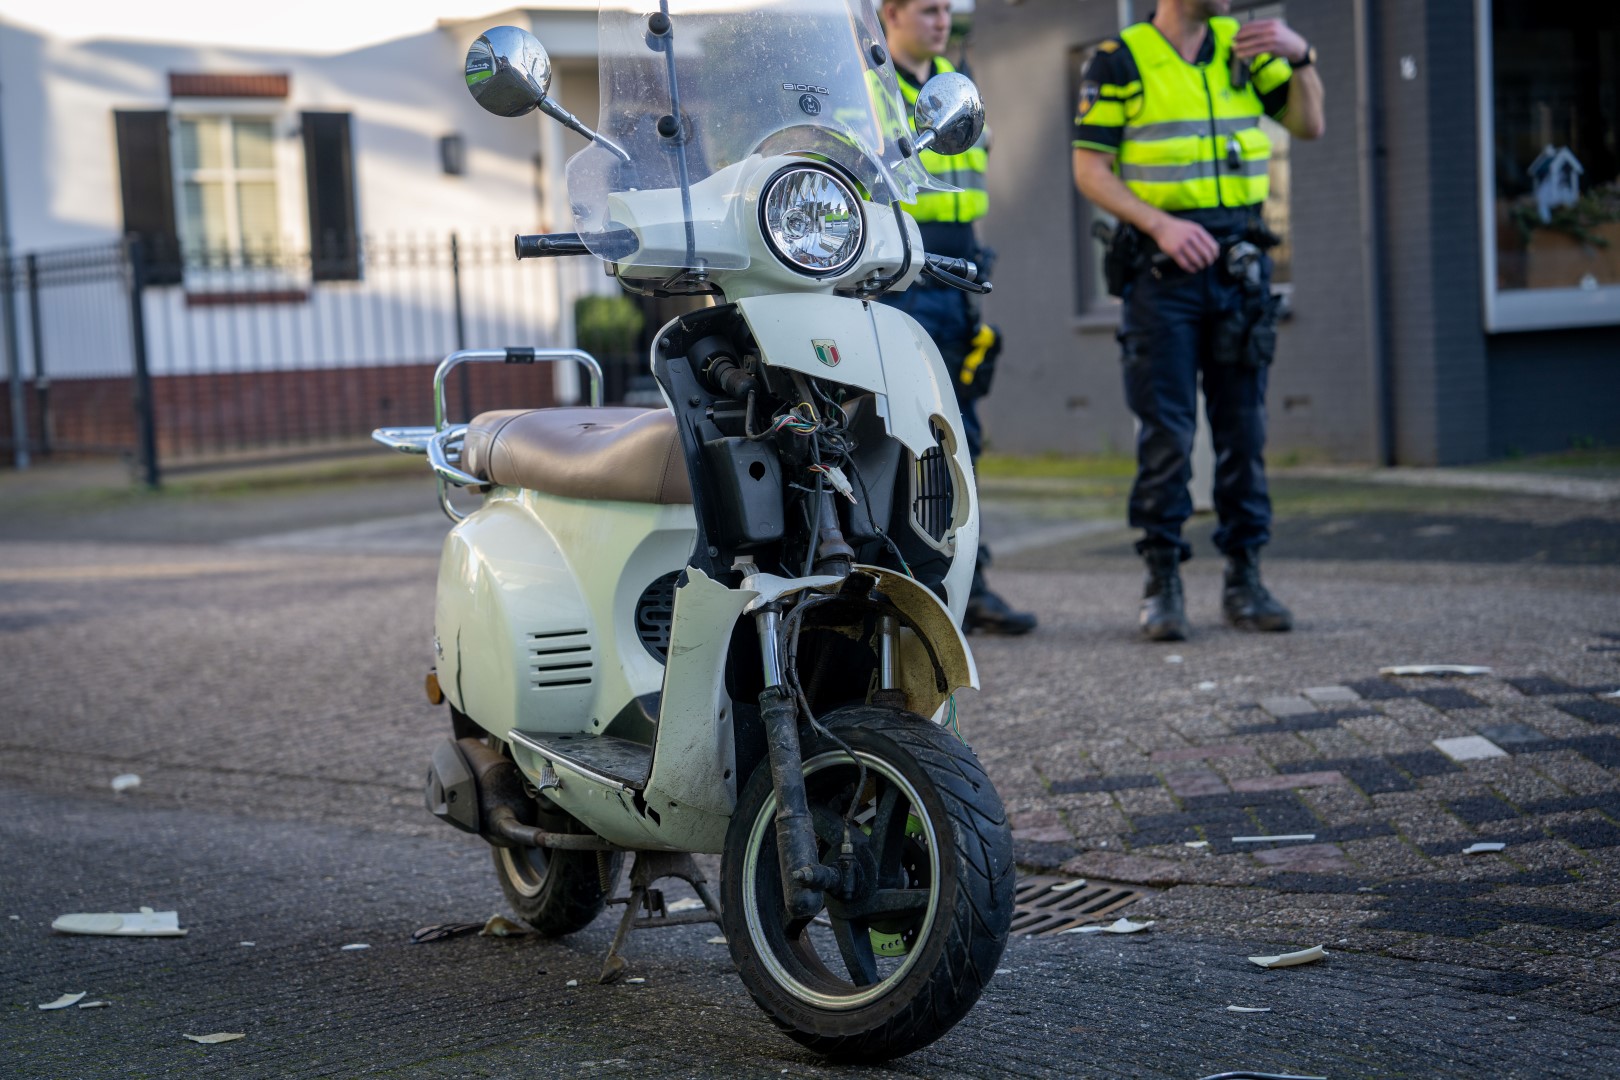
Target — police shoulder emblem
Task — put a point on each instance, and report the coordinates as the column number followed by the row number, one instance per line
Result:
column 1089, row 92
column 826, row 351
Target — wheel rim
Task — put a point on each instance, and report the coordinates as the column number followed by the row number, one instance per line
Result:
column 524, row 869
column 797, row 958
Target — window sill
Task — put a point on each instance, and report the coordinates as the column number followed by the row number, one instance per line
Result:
column 1101, row 320
column 247, row 297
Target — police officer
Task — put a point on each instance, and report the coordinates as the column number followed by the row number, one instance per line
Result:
column 917, row 31
column 1168, row 140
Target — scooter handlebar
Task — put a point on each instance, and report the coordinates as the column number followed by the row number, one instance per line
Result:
column 543, row 245
column 958, row 273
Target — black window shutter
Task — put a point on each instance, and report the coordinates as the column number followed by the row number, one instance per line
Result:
column 329, row 171
column 146, row 182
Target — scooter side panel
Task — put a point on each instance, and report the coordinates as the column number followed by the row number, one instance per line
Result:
column 695, row 761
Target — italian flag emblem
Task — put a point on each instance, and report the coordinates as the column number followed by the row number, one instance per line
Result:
column 826, row 351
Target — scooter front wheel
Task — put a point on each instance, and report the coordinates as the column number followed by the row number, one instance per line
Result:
column 895, row 962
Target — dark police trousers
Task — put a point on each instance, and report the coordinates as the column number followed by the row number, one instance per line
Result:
column 1169, row 337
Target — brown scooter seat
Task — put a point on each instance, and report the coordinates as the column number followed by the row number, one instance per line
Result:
column 607, row 452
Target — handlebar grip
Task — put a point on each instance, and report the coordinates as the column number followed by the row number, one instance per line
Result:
column 542, row 245
column 962, row 268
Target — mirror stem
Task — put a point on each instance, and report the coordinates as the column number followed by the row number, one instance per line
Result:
column 573, row 123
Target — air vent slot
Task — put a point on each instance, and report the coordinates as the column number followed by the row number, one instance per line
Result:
column 655, row 615
column 933, row 498
column 559, row 658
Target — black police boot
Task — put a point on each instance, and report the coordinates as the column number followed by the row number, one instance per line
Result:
column 1164, row 611
column 988, row 612
column 1247, row 604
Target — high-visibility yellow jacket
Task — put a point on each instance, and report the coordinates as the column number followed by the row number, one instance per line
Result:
column 964, row 171
column 1186, row 137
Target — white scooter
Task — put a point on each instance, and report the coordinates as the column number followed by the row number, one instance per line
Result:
column 719, row 627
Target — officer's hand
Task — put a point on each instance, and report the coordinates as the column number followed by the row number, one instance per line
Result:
column 1268, row 36
column 1187, row 243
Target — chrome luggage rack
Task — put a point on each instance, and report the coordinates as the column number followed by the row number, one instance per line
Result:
column 442, row 443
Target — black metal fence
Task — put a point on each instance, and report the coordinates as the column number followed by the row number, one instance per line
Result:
column 253, row 352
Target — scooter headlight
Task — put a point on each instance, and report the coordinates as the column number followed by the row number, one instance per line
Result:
column 812, row 220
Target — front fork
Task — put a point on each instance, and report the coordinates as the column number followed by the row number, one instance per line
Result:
column 804, row 877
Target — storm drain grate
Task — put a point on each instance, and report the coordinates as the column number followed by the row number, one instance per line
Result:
column 1049, row 905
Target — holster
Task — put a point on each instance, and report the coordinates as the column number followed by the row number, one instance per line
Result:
column 979, row 366
column 1246, row 333
column 1123, row 250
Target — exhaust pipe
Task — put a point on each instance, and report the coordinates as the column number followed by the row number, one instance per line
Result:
column 477, row 789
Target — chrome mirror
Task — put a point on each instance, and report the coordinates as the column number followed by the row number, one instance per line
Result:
column 508, row 71
column 950, row 114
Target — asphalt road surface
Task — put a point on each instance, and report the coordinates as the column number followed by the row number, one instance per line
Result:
column 264, row 683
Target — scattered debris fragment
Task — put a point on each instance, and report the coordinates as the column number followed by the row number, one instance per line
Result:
column 1246, row 1009
column 501, row 926
column 1269, row 839
column 1207, row 684
column 1118, row 926
column 144, row 923
column 637, row 981
column 689, row 903
column 571, row 982
column 1303, row 956
column 1173, row 658
column 94, row 1004
column 65, row 1000
column 718, row 939
column 248, row 944
column 1482, row 847
column 1069, row 886
column 1195, row 843
column 1003, row 971
column 1435, row 669
column 1469, row 748
column 15, row 918
column 356, row 947
column 216, row 1037
column 1612, row 693
column 124, row 782
column 440, row 931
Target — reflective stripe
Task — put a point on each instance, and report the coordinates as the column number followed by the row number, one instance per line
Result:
column 1202, row 170
column 1181, row 129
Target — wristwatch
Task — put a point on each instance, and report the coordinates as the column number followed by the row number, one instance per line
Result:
column 1309, row 59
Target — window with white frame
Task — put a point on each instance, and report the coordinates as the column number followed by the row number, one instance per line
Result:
column 1550, row 162
column 226, row 175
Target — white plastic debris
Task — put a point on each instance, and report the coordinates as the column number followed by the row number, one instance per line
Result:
column 248, row 944
column 501, row 926
column 1435, row 669
column 1004, row 971
column 1482, row 847
column 1269, row 839
column 1207, row 684
column 571, row 982
column 216, row 1037
column 356, row 947
column 689, row 903
column 1246, row 1009
column 65, row 1000
column 1195, row 843
column 15, row 918
column 634, row 982
column 1611, row 693
column 1118, row 926
column 125, row 781
column 94, row 1004
column 718, row 939
column 1173, row 658
column 1290, row 959
column 1469, row 748
column 143, row 923
column 1070, row 886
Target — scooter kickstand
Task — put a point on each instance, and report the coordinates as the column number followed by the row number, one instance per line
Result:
column 649, row 867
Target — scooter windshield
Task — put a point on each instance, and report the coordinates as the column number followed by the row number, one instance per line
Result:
column 692, row 90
